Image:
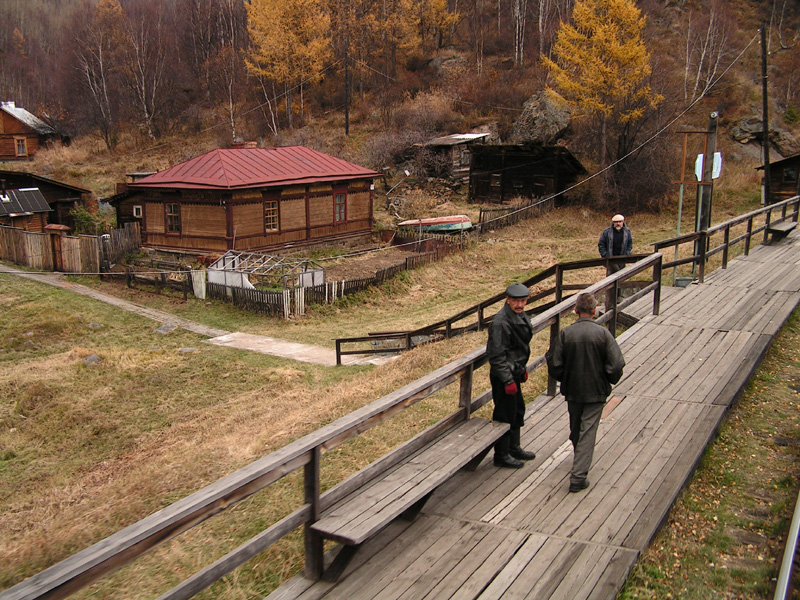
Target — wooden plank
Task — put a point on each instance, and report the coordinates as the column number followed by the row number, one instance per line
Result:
column 662, row 494
column 477, row 567
column 506, row 577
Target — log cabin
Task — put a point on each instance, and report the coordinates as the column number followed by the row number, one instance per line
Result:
column 24, row 209
column 21, row 133
column 250, row 199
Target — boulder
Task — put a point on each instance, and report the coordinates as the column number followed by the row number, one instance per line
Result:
column 543, row 120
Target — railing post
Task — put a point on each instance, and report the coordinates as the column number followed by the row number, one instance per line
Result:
column 554, row 330
column 465, row 392
column 727, row 238
column 313, row 542
column 480, row 318
column 701, row 267
column 749, row 235
column 657, row 292
column 611, row 299
column 338, row 353
column 766, row 226
column 559, row 284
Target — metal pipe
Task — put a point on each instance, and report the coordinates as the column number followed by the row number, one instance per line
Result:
column 785, row 573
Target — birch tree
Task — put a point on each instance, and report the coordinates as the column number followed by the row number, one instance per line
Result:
column 97, row 44
column 707, row 47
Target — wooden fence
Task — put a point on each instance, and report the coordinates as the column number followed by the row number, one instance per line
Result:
column 288, row 303
column 67, row 253
column 497, row 218
column 479, row 316
column 307, row 453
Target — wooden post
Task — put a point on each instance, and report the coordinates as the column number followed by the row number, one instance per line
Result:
column 749, row 235
column 766, row 226
column 701, row 267
column 657, row 292
column 313, row 542
column 725, row 246
column 465, row 392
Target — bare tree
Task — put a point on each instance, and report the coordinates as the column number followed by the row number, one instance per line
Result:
column 707, row 46
column 96, row 45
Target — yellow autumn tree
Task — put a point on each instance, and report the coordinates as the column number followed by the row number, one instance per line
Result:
column 601, row 68
column 290, row 43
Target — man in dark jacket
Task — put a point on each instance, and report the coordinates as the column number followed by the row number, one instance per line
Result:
column 508, row 350
column 616, row 240
column 586, row 359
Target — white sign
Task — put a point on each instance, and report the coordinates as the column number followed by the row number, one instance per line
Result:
column 716, row 169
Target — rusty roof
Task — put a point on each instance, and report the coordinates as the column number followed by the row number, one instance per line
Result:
column 237, row 168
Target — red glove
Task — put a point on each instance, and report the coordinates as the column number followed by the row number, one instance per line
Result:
column 511, row 388
column 524, row 376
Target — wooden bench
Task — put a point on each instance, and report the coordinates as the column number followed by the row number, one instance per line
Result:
column 403, row 489
column 781, row 230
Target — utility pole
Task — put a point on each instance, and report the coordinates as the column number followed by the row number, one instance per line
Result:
column 765, row 115
column 707, row 183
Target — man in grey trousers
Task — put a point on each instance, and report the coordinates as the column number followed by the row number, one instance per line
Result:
column 586, row 359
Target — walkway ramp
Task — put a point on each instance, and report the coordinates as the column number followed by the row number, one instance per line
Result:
column 501, row 533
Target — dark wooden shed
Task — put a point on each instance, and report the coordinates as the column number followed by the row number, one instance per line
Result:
column 502, row 173
column 24, row 208
column 783, row 178
column 61, row 197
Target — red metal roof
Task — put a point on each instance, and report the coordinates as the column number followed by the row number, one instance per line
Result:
column 236, row 168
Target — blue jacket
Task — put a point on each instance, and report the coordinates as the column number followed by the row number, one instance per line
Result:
column 606, row 241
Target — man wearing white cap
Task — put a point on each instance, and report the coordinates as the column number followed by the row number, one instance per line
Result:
column 508, row 350
column 616, row 240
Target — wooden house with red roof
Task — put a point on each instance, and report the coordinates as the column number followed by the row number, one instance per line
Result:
column 250, row 199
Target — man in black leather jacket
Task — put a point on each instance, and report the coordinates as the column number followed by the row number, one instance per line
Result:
column 508, row 350
column 586, row 359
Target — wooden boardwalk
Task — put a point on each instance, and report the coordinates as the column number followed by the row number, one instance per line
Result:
column 503, row 533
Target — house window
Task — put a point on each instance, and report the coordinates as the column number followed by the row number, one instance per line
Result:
column 173, row 218
column 271, row 215
column 22, row 146
column 496, row 179
column 790, row 174
column 339, row 208
column 137, row 211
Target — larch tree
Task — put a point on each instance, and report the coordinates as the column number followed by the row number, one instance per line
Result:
column 601, row 68
column 290, row 43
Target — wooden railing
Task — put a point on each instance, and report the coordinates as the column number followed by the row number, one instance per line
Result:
column 479, row 316
column 79, row 570
column 755, row 222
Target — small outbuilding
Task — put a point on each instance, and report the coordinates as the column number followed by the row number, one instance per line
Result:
column 61, row 197
column 502, row 173
column 250, row 199
column 453, row 152
column 24, row 209
column 21, row 133
column 783, row 178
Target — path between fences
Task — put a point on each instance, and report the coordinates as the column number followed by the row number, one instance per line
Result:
column 218, row 337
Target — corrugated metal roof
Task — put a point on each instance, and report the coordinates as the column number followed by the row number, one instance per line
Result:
column 22, row 201
column 455, row 139
column 31, row 120
column 236, row 168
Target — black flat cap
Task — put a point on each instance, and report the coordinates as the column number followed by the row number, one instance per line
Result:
column 517, row 290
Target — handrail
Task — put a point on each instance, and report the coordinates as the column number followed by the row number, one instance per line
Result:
column 84, row 567
column 701, row 239
column 446, row 328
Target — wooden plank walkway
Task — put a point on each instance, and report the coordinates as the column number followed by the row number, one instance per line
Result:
column 504, row 533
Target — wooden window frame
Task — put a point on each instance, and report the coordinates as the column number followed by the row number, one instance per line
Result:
column 21, row 141
column 274, row 214
column 170, row 228
column 339, row 207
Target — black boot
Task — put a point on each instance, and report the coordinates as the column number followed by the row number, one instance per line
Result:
column 515, row 449
column 502, row 458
